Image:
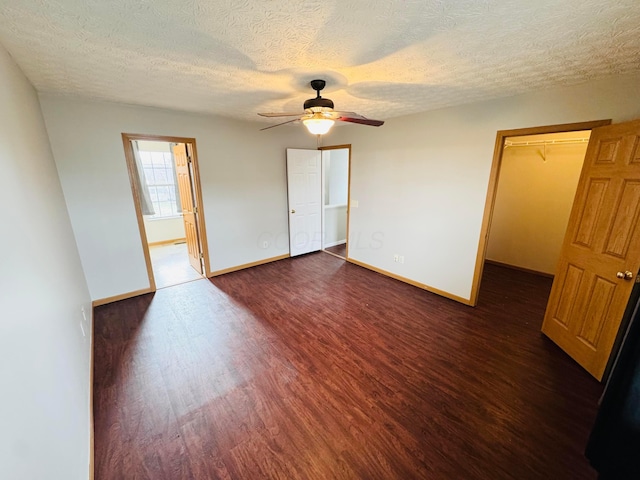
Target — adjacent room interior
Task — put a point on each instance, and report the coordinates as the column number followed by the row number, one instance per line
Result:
column 165, row 184
column 162, row 214
column 335, row 174
column 536, row 188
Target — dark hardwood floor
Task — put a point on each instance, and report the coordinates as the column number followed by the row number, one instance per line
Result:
column 314, row 368
column 340, row 250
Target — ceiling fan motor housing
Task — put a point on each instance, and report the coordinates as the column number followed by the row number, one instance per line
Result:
column 318, row 102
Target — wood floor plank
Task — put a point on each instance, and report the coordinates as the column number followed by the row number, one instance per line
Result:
column 315, row 368
column 340, row 250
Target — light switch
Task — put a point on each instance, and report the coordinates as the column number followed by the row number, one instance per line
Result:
column 354, row 203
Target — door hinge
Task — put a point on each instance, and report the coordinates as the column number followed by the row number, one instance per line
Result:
column 202, row 256
column 195, row 209
column 638, row 278
column 189, row 158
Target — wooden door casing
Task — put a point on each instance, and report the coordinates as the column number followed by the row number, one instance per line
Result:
column 587, row 300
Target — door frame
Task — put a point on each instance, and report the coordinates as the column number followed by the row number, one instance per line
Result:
column 492, row 188
column 338, row 147
column 131, row 168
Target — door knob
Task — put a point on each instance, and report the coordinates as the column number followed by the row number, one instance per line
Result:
column 293, row 211
column 627, row 275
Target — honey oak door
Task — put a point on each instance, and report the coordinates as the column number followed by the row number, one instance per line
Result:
column 600, row 255
column 185, row 190
column 304, row 187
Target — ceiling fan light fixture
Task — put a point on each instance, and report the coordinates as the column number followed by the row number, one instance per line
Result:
column 318, row 126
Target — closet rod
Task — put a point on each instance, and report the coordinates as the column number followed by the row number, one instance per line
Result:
column 566, row 141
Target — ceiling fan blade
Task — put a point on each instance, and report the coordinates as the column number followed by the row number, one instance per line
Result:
column 349, row 114
column 278, row 124
column 281, row 114
column 362, row 121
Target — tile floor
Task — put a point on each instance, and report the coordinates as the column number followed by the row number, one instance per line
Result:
column 171, row 265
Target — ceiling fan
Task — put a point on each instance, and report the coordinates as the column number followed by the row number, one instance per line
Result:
column 319, row 115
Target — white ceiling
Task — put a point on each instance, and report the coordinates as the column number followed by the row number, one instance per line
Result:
column 381, row 58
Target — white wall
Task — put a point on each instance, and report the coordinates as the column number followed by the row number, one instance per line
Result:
column 164, row 229
column 336, row 164
column 335, row 225
column 421, row 180
column 243, row 179
column 536, row 189
column 44, row 359
column 153, row 146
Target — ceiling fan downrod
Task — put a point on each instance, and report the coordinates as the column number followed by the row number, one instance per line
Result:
column 320, row 102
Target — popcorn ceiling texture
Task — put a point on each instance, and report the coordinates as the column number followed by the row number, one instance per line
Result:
column 380, row 58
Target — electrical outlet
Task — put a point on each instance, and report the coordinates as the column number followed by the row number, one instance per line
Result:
column 396, row 257
column 83, row 323
column 401, row 258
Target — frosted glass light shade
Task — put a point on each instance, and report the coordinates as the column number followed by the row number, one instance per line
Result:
column 318, row 126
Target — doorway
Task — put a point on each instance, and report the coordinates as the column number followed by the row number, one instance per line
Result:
column 336, row 174
column 503, row 137
column 590, row 288
column 318, row 200
column 165, row 183
column 537, row 184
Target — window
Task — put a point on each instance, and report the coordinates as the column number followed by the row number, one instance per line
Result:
column 161, row 179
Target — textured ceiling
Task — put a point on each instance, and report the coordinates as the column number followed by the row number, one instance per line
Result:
column 380, row 58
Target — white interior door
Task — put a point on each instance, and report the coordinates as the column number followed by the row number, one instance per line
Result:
column 304, row 177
